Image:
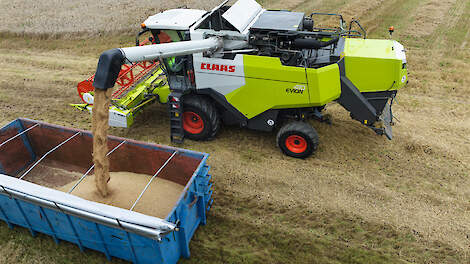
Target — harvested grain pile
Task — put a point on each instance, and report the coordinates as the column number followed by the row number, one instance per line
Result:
column 125, row 187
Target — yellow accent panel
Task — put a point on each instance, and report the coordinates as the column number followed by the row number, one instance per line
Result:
column 370, row 48
column 372, row 65
column 373, row 75
column 259, row 95
column 324, row 84
column 270, row 68
column 269, row 85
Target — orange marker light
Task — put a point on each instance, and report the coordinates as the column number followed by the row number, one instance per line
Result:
column 390, row 30
column 142, row 25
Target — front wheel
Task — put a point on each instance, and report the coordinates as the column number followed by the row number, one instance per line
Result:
column 201, row 120
column 297, row 139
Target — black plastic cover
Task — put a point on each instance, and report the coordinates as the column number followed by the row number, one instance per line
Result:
column 308, row 24
column 107, row 71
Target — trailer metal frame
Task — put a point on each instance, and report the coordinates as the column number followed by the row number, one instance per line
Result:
column 29, row 205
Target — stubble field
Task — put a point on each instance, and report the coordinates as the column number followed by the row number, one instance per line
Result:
column 359, row 199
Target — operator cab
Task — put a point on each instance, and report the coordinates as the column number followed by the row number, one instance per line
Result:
column 173, row 26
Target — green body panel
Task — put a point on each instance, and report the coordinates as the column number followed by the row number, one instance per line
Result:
column 269, row 85
column 163, row 93
column 270, row 68
column 324, row 84
column 403, row 78
column 369, row 48
column 372, row 65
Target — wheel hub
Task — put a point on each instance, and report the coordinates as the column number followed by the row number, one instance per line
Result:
column 192, row 123
column 296, row 144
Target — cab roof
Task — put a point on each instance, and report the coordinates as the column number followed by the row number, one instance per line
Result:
column 240, row 15
column 174, row 19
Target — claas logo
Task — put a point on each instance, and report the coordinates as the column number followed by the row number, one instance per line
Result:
column 217, row 67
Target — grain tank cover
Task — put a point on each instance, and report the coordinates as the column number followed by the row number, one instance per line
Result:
column 175, row 19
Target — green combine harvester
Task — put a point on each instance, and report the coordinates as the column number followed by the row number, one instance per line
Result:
column 267, row 70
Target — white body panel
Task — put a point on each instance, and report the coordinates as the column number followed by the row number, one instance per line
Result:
column 176, row 19
column 399, row 51
column 116, row 117
column 223, row 82
column 216, row 73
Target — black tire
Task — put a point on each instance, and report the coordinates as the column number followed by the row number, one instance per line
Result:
column 204, row 109
column 297, row 139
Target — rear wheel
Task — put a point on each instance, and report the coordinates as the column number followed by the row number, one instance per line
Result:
column 201, row 120
column 297, row 139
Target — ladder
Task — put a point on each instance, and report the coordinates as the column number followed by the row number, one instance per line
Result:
column 176, row 117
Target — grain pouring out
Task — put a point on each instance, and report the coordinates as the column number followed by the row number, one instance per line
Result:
column 100, row 140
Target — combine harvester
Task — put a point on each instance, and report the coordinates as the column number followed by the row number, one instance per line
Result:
column 261, row 69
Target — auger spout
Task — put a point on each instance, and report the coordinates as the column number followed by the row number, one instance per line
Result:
column 110, row 62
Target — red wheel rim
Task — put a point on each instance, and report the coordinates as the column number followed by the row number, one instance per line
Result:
column 296, row 144
column 192, row 123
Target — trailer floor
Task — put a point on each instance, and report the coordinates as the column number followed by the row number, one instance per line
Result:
column 51, row 176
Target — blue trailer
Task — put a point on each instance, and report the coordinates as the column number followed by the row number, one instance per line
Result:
column 117, row 232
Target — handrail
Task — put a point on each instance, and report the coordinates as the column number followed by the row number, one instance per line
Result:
column 341, row 20
column 153, row 177
column 17, row 135
column 360, row 26
column 49, row 152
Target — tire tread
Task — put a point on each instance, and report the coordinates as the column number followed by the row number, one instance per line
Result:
column 304, row 128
